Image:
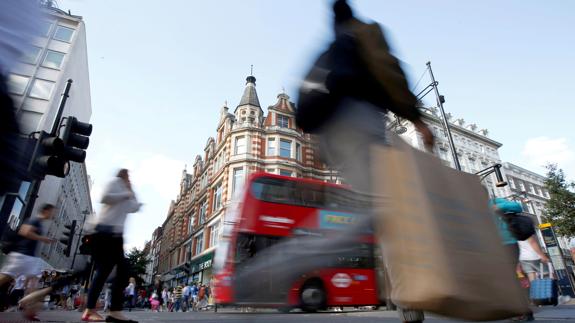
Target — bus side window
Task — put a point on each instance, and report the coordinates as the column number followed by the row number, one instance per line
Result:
column 275, row 191
column 312, row 196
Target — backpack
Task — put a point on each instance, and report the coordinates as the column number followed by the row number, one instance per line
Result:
column 520, row 225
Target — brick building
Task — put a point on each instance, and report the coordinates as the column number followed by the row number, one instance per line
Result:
column 246, row 141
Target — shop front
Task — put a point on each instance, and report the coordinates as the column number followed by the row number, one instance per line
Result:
column 201, row 269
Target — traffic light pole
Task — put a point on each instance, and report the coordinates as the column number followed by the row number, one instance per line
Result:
column 35, row 187
column 445, row 121
column 85, row 213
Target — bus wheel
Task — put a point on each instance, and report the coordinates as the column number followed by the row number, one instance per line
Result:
column 312, row 297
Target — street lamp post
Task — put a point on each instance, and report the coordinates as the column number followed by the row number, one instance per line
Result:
column 440, row 99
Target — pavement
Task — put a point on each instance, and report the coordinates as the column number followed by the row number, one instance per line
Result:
column 564, row 313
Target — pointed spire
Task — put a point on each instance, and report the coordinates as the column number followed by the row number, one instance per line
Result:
column 223, row 113
column 250, row 95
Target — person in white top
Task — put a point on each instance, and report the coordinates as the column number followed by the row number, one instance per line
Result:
column 108, row 228
column 531, row 256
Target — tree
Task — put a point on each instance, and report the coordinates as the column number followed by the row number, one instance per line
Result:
column 137, row 262
column 560, row 209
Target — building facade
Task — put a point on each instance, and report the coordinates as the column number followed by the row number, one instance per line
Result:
column 527, row 187
column 246, row 141
column 58, row 54
column 475, row 150
column 154, row 258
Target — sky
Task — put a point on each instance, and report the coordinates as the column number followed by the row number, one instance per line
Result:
column 160, row 71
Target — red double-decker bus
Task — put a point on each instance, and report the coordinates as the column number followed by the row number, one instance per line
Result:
column 251, row 269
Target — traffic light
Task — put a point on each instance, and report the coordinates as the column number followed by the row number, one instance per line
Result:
column 47, row 157
column 86, row 246
column 68, row 237
column 76, row 139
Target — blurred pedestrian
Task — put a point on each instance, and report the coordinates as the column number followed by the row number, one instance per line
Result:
column 165, row 298
column 202, row 297
column 194, row 292
column 154, row 302
column 119, row 200
column 131, row 293
column 186, row 296
column 18, row 290
column 344, row 99
column 19, row 24
column 503, row 207
column 177, row 298
column 22, row 260
column 531, row 257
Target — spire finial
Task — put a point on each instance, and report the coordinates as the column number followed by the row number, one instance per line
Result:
column 225, row 103
column 252, row 70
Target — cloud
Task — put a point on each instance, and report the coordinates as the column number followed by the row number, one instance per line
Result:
column 540, row 151
column 159, row 174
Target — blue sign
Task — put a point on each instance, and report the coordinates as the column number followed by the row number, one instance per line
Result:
column 336, row 220
column 563, row 278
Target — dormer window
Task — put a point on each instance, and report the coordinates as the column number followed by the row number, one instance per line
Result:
column 282, row 121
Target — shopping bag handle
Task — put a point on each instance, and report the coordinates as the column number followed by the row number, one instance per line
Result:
column 541, row 273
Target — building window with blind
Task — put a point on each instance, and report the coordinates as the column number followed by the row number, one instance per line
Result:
column 203, row 212
column 240, row 145
column 199, row 244
column 237, row 180
column 218, row 197
column 271, row 151
column 284, row 172
column 511, row 182
column 192, row 220
column 298, row 152
column 214, row 234
column 282, row 121
column 285, row 148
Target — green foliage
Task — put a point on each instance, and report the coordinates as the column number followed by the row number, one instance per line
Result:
column 137, row 263
column 560, row 209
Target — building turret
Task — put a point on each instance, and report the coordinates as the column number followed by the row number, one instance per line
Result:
column 249, row 110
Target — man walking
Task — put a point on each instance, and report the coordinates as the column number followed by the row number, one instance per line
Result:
column 22, row 260
column 186, row 293
column 177, row 298
column 361, row 81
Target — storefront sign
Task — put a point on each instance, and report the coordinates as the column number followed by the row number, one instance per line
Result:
column 180, row 274
column 202, row 262
column 556, row 255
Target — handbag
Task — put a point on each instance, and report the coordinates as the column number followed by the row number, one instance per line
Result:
column 439, row 238
column 544, row 291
